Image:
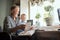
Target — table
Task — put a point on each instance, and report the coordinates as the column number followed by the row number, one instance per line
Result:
column 39, row 35
column 47, row 35
column 25, row 36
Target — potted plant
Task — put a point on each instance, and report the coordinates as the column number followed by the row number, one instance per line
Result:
column 48, row 19
column 37, row 18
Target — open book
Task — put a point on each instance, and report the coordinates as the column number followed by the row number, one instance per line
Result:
column 30, row 32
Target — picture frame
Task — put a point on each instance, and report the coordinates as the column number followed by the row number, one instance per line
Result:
column 30, row 22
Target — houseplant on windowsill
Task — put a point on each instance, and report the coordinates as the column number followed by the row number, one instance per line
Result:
column 49, row 18
column 37, row 19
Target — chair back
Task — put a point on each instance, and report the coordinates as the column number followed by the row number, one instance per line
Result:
column 4, row 36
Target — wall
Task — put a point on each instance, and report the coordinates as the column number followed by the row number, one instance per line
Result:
column 4, row 10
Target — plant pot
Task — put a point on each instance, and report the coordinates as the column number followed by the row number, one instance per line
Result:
column 49, row 21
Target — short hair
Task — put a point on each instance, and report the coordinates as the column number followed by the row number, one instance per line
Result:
column 13, row 7
column 23, row 14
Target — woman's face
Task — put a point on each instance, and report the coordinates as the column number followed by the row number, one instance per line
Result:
column 15, row 11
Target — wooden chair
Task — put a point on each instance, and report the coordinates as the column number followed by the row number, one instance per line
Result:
column 4, row 36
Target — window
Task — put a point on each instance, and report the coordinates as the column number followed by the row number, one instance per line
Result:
column 40, row 9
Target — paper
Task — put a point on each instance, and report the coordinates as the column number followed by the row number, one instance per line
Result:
column 31, row 32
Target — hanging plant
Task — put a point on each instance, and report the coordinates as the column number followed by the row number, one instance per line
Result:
column 37, row 16
column 37, row 21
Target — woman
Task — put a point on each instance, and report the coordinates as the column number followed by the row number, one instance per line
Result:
column 11, row 21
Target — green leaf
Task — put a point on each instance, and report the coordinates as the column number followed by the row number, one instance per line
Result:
column 48, row 8
column 37, row 16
